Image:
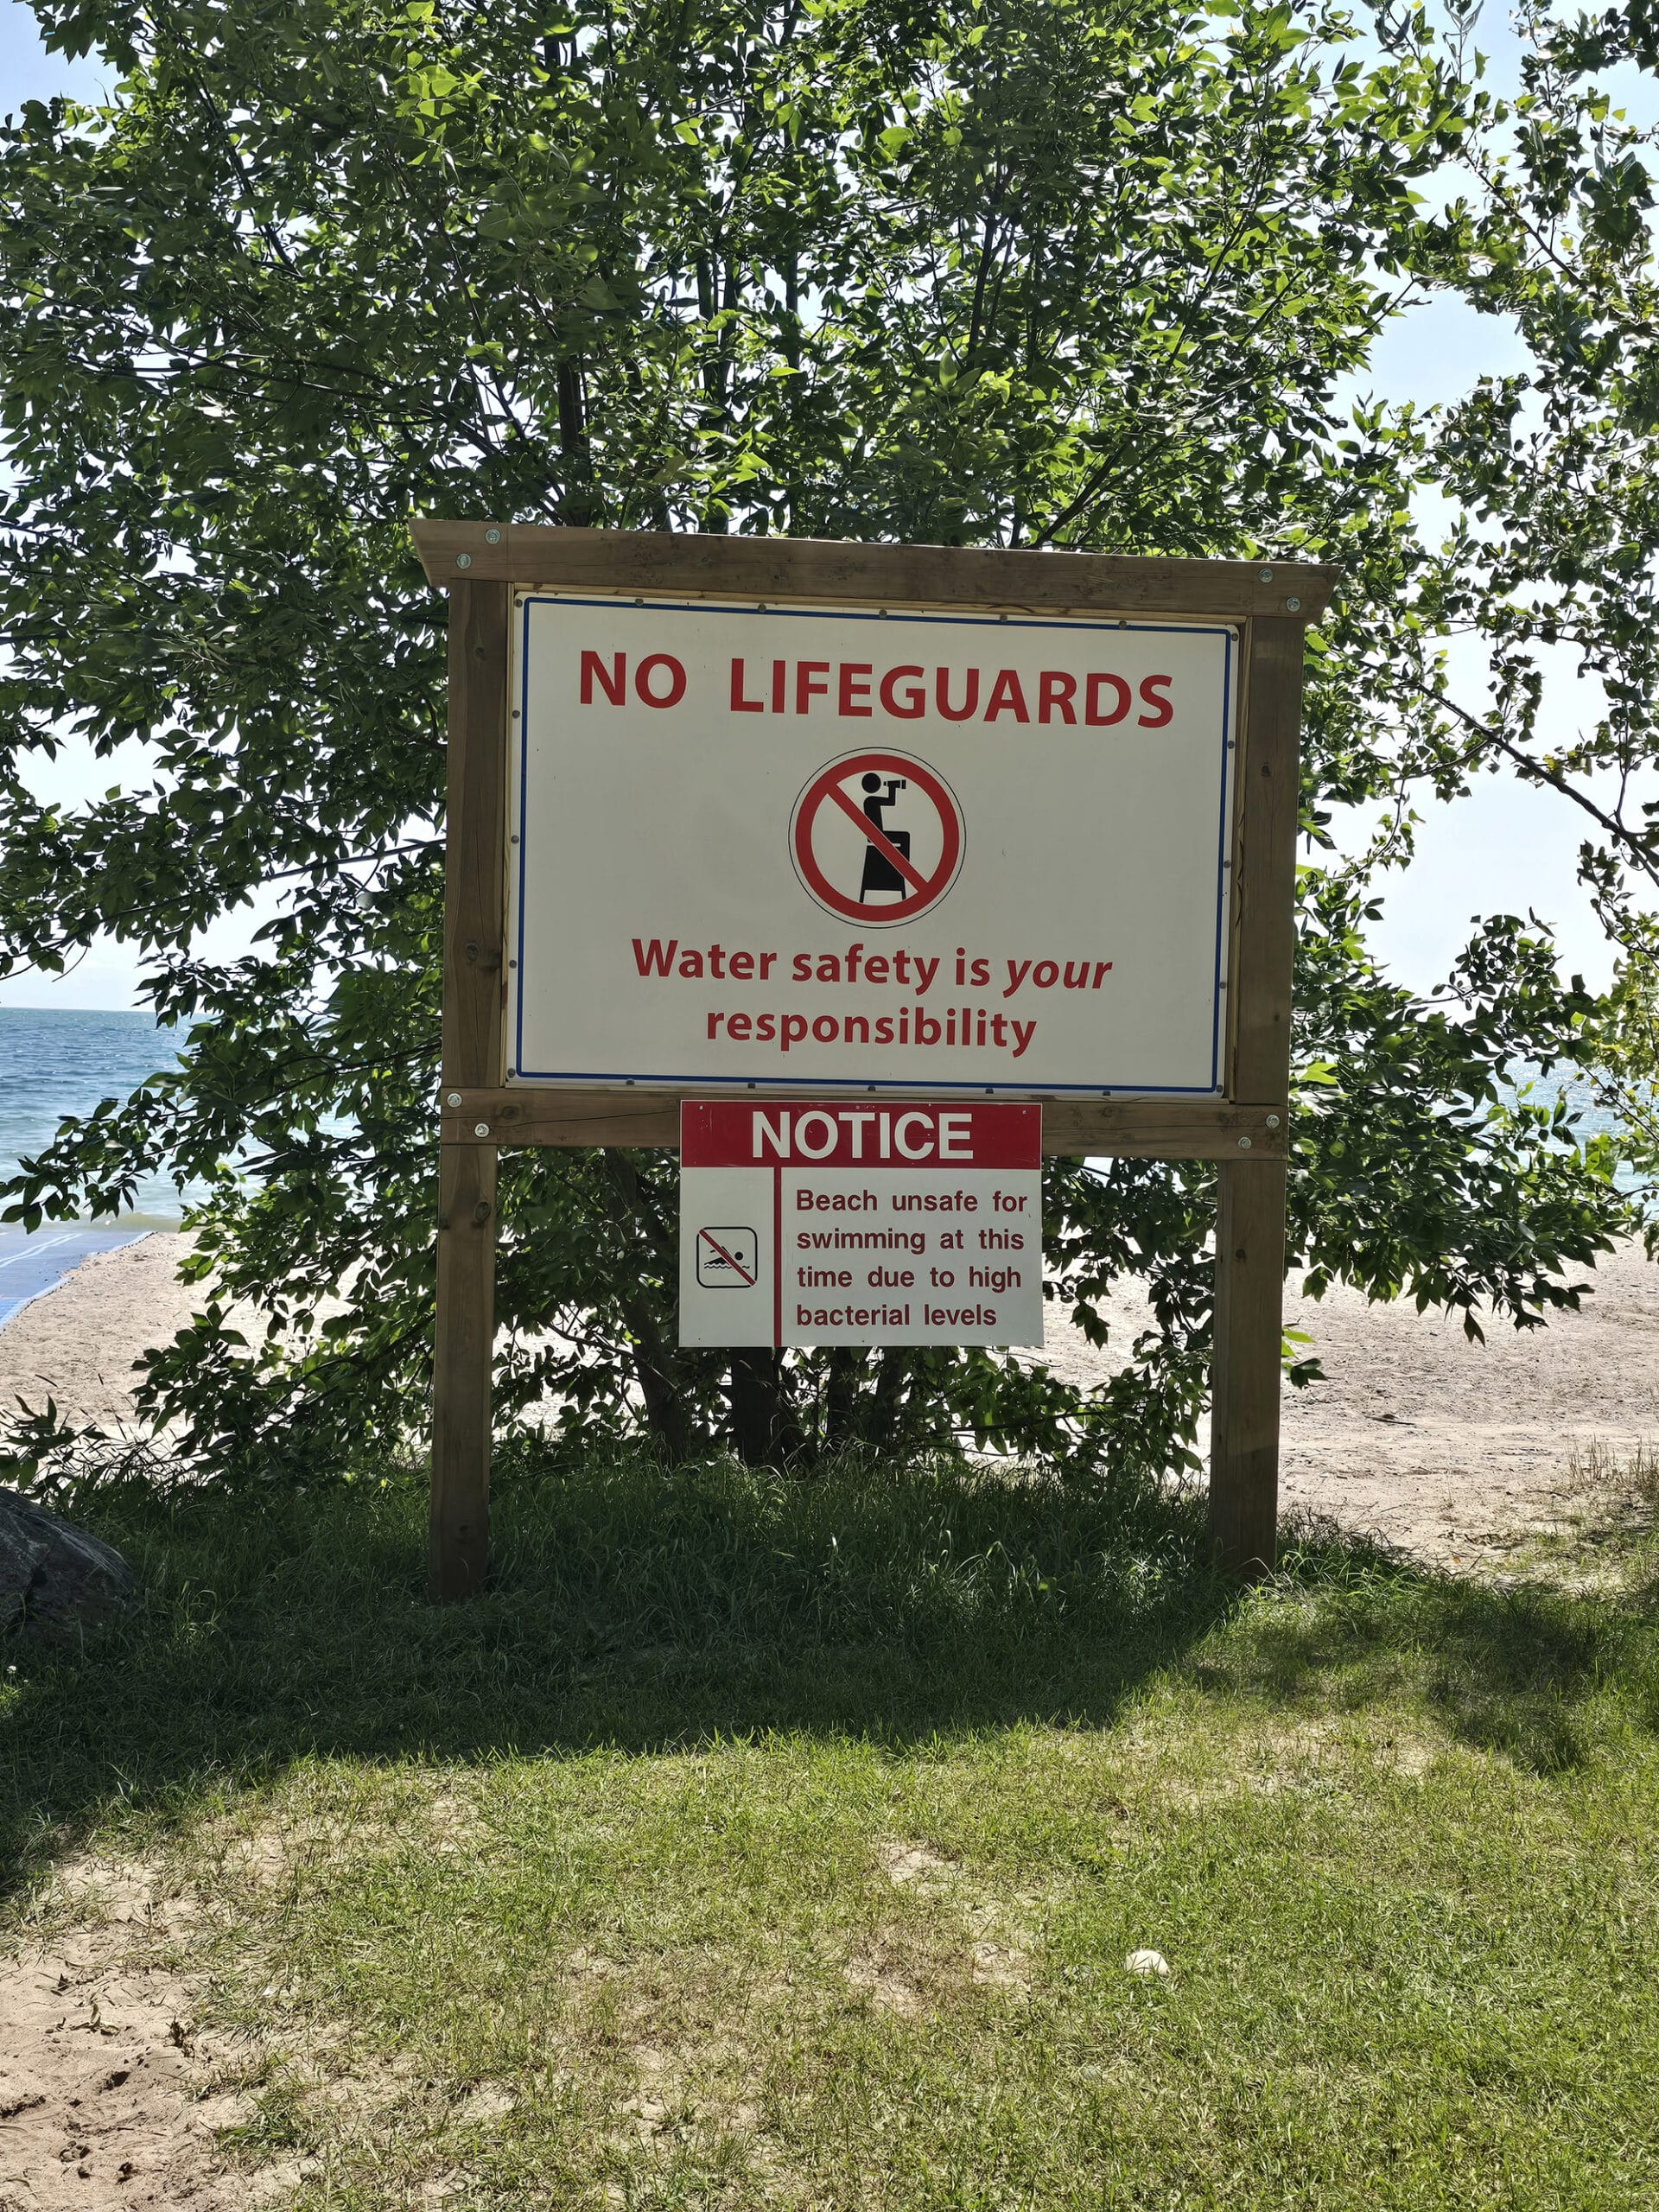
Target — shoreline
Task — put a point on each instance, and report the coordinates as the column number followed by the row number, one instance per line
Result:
column 1452, row 1452
column 35, row 1262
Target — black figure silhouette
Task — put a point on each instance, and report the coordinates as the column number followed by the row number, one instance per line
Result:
column 879, row 873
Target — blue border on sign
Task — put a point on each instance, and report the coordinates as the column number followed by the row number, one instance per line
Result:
column 519, row 1073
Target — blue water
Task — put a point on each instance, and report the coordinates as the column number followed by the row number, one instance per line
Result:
column 1593, row 1120
column 55, row 1062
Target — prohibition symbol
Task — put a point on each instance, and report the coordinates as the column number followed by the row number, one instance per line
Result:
column 877, row 837
column 728, row 1258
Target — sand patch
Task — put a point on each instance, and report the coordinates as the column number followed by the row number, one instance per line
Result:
column 1455, row 1453
column 1002, row 1966
column 79, row 1343
column 911, row 1862
column 882, row 1971
column 110, row 2096
column 115, row 2097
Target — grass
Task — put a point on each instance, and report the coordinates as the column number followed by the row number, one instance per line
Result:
column 756, row 1845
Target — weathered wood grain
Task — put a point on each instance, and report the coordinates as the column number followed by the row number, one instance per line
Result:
column 1250, row 1214
column 812, row 568
column 462, row 1364
column 474, row 925
column 1250, row 1294
column 524, row 1114
column 1264, row 862
column 474, row 884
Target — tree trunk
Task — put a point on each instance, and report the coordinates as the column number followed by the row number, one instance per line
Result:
column 841, row 1396
column 764, row 1433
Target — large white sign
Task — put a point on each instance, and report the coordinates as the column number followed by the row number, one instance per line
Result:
column 786, row 846
column 832, row 1222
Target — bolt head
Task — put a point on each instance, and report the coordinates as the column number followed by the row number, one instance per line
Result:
column 454, row 1099
column 1243, row 1144
column 1267, row 576
column 1294, row 605
column 463, row 560
column 1273, row 1120
column 480, row 1128
column 492, row 536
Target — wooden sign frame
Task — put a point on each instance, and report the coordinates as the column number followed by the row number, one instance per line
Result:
column 481, row 565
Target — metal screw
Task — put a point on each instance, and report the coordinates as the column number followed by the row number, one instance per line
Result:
column 1294, row 605
column 454, row 1099
column 463, row 560
column 513, row 964
column 515, row 839
column 1273, row 1120
column 1243, row 1143
column 1267, row 576
column 482, row 1129
column 492, row 537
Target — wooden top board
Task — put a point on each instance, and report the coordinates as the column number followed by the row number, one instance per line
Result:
column 819, row 569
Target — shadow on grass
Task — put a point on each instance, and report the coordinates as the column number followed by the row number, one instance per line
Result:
column 647, row 1610
column 1527, row 1669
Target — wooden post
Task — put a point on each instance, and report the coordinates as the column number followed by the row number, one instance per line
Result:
column 1251, row 1211
column 474, row 927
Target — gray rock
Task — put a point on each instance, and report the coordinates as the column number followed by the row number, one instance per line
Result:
column 53, row 1576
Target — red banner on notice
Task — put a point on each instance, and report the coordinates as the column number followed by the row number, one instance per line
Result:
column 905, row 1132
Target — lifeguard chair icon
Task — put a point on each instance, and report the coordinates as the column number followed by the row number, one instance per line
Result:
column 879, row 873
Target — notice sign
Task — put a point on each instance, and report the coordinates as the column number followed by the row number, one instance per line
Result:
column 795, row 846
column 830, row 1223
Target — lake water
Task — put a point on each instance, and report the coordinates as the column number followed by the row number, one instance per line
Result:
column 55, row 1062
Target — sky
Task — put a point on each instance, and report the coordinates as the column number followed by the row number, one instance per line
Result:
column 1506, row 849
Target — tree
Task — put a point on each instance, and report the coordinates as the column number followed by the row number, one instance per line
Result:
column 1550, row 569
column 1056, row 272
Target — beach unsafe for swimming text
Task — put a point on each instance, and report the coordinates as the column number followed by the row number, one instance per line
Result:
column 763, row 846
column 837, row 1221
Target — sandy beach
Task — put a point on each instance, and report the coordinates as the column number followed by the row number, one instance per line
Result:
column 1451, row 1450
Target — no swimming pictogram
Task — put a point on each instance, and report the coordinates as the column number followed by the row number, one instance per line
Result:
column 877, row 837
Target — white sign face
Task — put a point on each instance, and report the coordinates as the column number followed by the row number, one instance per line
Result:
column 832, row 1222
column 828, row 849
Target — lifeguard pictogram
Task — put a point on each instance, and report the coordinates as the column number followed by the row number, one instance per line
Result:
column 877, row 837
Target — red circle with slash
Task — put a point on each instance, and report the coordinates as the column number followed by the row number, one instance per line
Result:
column 826, row 800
